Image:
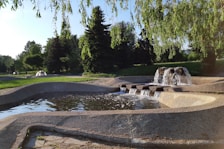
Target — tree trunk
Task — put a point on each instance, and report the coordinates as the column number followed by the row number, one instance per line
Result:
column 208, row 63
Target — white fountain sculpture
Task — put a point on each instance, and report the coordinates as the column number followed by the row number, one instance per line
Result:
column 172, row 76
column 183, row 76
column 158, row 77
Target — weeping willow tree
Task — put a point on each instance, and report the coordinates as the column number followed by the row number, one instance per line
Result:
column 168, row 23
column 171, row 23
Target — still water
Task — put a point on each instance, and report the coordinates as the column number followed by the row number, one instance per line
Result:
column 72, row 102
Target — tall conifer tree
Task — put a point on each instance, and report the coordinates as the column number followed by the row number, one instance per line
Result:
column 96, row 51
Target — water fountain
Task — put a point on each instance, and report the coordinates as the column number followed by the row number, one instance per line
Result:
column 158, row 77
column 164, row 77
column 145, row 91
column 133, row 90
column 172, row 76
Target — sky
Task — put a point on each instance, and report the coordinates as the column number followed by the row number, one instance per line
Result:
column 20, row 26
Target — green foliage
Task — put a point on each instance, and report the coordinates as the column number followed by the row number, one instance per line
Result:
column 84, row 45
column 53, row 53
column 220, row 53
column 122, row 42
column 173, row 55
column 95, row 44
column 192, row 56
column 6, row 63
column 24, row 61
column 32, row 48
column 195, row 68
column 62, row 55
column 98, row 75
column 19, row 65
column 35, row 61
column 122, row 32
column 144, row 51
column 168, row 23
column 71, row 61
column 65, row 28
column 137, row 71
column 171, row 23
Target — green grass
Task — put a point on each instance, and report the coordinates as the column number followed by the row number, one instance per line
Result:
column 219, row 66
column 194, row 67
column 28, row 81
column 98, row 75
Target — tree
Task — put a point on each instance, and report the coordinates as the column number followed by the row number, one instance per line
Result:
column 122, row 41
column 62, row 55
column 144, row 51
column 53, row 52
column 32, row 48
column 35, row 61
column 173, row 22
column 6, row 63
column 173, row 55
column 19, row 62
column 85, row 53
column 33, row 56
column 169, row 23
column 71, row 59
column 96, row 51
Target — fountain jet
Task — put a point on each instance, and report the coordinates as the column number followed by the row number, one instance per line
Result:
column 172, row 76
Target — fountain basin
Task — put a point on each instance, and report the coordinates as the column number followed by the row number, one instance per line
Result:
column 199, row 125
column 28, row 92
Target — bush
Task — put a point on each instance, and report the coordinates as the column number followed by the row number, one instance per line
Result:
column 193, row 56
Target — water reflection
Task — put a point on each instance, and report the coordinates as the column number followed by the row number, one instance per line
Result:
column 80, row 102
column 102, row 102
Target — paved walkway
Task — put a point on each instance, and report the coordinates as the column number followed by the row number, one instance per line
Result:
column 50, row 140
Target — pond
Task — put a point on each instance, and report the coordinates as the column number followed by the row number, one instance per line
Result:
column 84, row 102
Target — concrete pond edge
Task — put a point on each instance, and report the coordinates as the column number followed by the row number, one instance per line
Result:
column 193, row 126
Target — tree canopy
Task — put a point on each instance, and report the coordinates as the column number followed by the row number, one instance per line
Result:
column 122, row 41
column 95, row 44
column 168, row 23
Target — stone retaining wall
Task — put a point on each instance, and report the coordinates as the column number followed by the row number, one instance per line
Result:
column 30, row 91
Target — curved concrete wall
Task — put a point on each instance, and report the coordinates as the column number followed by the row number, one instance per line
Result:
column 178, row 100
column 214, row 87
column 30, row 91
column 193, row 125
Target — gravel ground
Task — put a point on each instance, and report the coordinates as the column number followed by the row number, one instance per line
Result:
column 50, row 140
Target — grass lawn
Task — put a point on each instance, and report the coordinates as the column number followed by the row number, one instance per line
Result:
column 194, row 67
column 21, row 82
